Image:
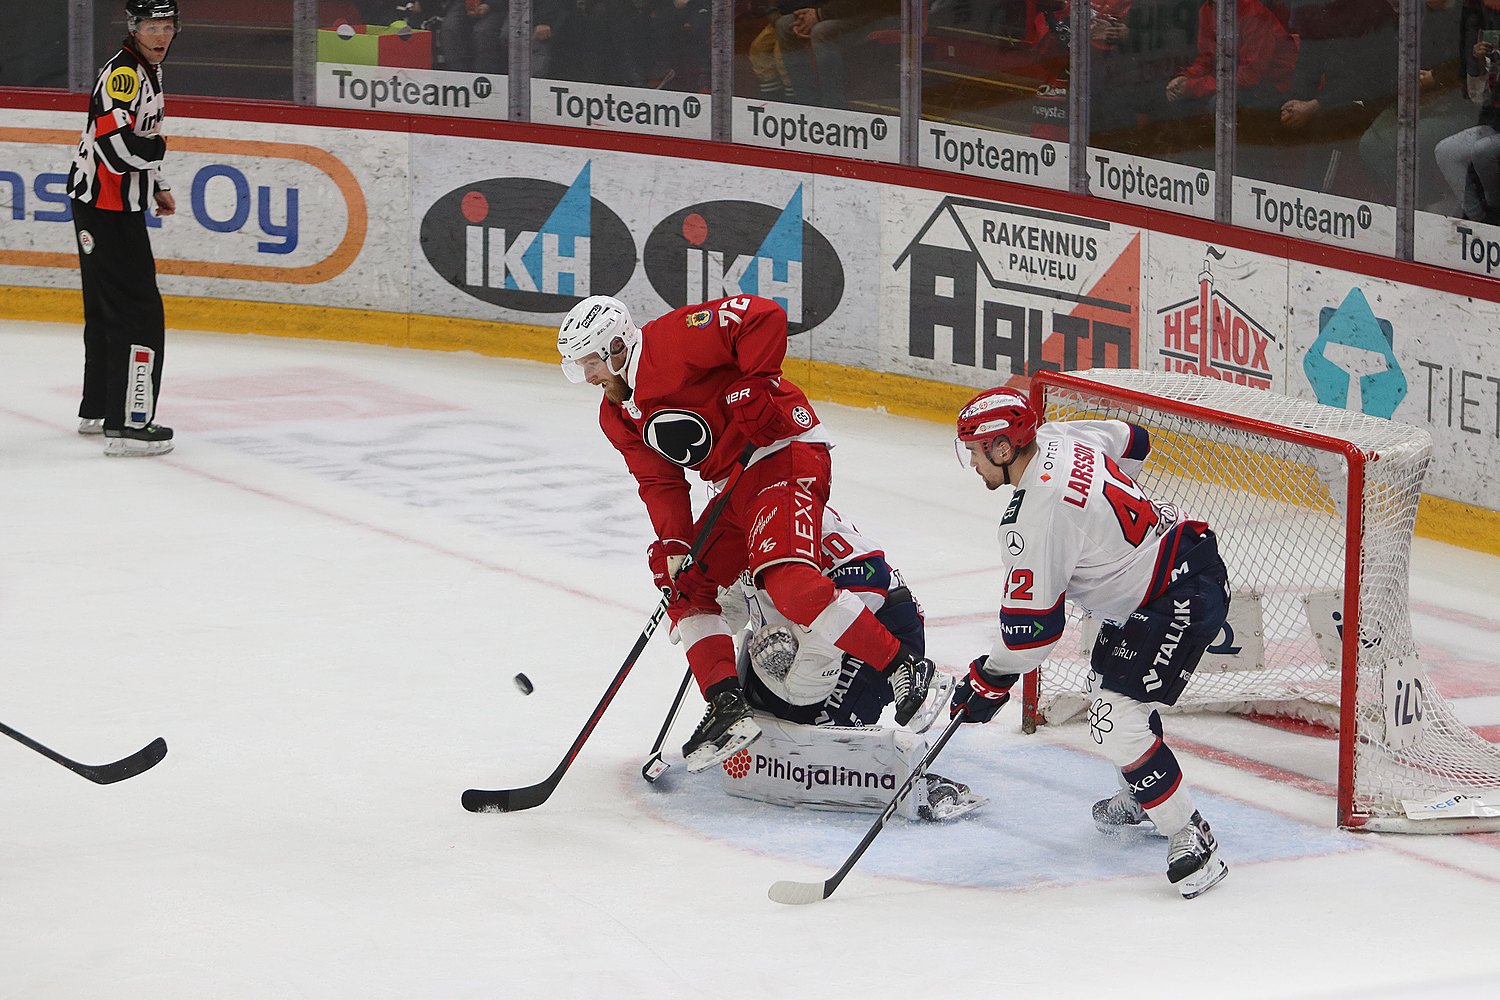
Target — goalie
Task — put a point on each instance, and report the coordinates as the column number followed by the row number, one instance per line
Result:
column 819, row 708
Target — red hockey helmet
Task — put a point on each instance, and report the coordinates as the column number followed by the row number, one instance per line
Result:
column 999, row 413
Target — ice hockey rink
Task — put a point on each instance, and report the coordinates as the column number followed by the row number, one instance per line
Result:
column 320, row 600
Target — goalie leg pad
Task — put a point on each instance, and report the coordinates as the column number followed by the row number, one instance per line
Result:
column 854, row 769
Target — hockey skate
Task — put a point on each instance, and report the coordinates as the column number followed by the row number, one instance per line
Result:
column 938, row 695
column 727, row 728
column 910, row 676
column 947, row 799
column 1193, row 864
column 1120, row 812
column 91, row 425
column 136, row 442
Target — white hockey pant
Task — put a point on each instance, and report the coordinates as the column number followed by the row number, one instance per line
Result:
column 1129, row 733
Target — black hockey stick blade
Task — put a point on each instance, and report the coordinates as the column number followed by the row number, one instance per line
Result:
column 479, row 800
column 656, row 766
column 143, row 759
column 796, row 893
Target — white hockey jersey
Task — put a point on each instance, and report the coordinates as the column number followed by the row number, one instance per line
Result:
column 1078, row 528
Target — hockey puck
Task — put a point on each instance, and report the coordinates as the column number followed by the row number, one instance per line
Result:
column 524, row 683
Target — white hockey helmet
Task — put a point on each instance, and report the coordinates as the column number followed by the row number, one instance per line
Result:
column 591, row 327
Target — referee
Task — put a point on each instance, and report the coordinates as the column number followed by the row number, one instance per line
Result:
column 112, row 181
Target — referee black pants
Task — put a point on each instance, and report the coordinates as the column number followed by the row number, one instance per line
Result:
column 124, row 329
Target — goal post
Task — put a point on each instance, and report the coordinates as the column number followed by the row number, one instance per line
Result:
column 1315, row 508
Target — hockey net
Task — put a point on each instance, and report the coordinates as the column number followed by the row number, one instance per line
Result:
column 1314, row 508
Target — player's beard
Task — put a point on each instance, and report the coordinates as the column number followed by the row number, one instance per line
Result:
column 617, row 390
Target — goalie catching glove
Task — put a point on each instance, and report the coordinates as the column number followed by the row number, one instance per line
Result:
column 984, row 695
column 760, row 416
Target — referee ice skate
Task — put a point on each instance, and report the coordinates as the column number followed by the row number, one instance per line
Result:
column 114, row 178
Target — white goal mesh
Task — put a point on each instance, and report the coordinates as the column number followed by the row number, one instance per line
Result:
column 1273, row 476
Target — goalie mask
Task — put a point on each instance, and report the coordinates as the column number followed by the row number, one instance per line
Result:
column 996, row 415
column 592, row 327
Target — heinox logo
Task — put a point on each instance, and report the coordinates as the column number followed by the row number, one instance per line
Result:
column 528, row 244
column 722, row 248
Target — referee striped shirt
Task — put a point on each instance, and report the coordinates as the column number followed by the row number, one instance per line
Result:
column 115, row 165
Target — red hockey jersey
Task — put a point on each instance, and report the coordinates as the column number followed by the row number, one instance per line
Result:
column 676, row 418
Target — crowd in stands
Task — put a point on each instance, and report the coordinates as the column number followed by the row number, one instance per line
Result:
column 633, row 43
column 1316, row 86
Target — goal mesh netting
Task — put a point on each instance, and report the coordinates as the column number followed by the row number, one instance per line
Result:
column 1273, row 477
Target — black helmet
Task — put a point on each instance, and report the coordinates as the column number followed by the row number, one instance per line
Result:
column 137, row 11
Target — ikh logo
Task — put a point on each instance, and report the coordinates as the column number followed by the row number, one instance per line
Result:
column 719, row 249
column 528, row 244
column 1355, row 348
column 1210, row 335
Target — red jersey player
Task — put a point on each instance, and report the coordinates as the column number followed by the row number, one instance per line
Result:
column 691, row 391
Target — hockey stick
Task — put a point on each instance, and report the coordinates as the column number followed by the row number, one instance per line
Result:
column 656, row 766
column 531, row 796
column 811, row 892
column 143, row 759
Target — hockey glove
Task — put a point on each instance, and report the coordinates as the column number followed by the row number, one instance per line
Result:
column 758, row 413
column 665, row 559
column 983, row 695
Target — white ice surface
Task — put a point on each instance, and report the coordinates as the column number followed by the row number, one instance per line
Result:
column 320, row 600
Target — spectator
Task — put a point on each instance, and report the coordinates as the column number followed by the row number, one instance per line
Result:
column 616, row 43
column 1346, row 76
column 1266, row 66
column 772, row 80
column 475, row 35
column 1440, row 113
column 1110, row 107
column 1467, row 157
column 681, row 37
column 815, row 41
column 1267, row 58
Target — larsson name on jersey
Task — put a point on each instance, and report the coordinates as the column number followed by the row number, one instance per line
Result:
column 1080, row 477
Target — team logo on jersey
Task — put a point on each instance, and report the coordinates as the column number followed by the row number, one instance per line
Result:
column 527, row 244
column 700, row 318
column 123, row 84
column 682, row 437
column 85, row 241
column 720, row 249
column 802, row 417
